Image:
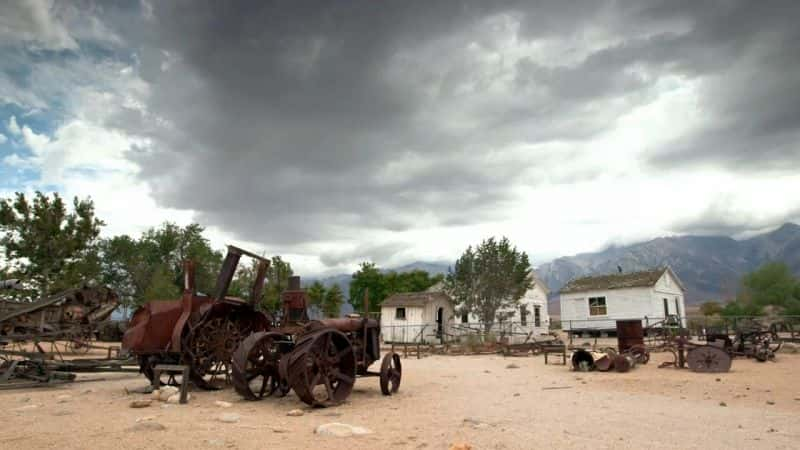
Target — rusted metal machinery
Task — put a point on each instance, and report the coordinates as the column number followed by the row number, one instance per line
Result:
column 750, row 339
column 71, row 316
column 201, row 331
column 318, row 359
column 706, row 358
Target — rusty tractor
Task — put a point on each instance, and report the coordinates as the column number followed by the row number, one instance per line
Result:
column 318, row 359
column 199, row 331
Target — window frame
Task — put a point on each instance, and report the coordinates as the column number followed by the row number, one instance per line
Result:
column 592, row 308
column 397, row 313
column 523, row 314
column 537, row 315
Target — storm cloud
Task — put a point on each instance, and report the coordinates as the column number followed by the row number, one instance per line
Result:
column 344, row 128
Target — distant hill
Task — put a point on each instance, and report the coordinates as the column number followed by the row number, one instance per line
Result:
column 710, row 267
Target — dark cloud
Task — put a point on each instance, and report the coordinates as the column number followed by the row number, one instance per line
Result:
column 290, row 123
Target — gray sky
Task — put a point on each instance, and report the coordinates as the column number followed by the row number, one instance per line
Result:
column 334, row 132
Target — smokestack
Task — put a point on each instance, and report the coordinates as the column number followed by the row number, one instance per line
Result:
column 294, row 283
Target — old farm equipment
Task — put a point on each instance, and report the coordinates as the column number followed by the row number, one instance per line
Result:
column 318, row 359
column 750, row 339
column 200, row 331
column 72, row 316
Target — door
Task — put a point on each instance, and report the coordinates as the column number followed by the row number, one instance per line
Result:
column 439, row 323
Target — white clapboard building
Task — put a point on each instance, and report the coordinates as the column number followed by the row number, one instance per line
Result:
column 529, row 320
column 594, row 303
column 416, row 316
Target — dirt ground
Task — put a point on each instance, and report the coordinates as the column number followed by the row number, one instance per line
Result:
column 442, row 400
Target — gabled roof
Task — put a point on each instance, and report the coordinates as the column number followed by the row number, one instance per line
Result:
column 414, row 298
column 647, row 278
column 539, row 282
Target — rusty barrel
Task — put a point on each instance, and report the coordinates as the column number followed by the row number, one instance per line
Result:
column 629, row 333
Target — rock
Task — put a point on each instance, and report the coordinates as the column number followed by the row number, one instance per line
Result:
column 175, row 399
column 27, row 399
column 512, row 366
column 770, row 402
column 516, row 394
column 280, row 430
column 223, row 404
column 63, row 398
column 148, row 425
column 145, row 418
column 63, row 413
column 460, row 446
column 156, row 395
column 143, row 403
column 87, row 391
column 27, row 407
column 723, row 404
column 337, row 429
column 215, row 442
column 475, row 423
column 229, row 418
column 138, row 389
column 166, row 392
column 295, row 413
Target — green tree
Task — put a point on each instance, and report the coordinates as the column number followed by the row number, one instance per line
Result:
column 141, row 268
column 317, row 292
column 333, row 301
column 368, row 277
column 277, row 281
column 490, row 278
column 49, row 248
column 771, row 285
column 710, row 308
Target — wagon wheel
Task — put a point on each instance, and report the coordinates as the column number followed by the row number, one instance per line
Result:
column 322, row 368
column 255, row 365
column 640, row 353
column 708, row 359
column 674, row 353
column 391, row 372
column 610, row 351
column 770, row 339
column 209, row 347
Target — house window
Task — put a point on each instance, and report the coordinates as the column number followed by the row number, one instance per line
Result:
column 523, row 315
column 464, row 317
column 537, row 316
column 666, row 308
column 400, row 313
column 677, row 307
column 597, row 306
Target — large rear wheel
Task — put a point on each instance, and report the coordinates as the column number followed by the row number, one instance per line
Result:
column 322, row 368
column 255, row 365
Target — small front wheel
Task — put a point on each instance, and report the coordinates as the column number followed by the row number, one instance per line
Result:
column 391, row 373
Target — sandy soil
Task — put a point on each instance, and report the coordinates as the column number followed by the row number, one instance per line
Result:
column 442, row 400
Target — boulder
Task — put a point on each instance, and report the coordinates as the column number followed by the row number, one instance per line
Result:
column 166, row 392
column 63, row 398
column 223, row 404
column 295, row 413
column 337, row 429
column 229, row 418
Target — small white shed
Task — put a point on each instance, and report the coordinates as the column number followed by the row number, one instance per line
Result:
column 595, row 303
column 416, row 317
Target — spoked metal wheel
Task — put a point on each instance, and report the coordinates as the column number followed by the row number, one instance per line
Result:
column 322, row 368
column 209, row 349
column 255, row 365
column 391, row 373
column 708, row 359
column 640, row 353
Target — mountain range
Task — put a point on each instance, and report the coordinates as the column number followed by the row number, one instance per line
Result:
column 710, row 267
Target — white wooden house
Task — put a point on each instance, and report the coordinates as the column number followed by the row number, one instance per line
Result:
column 416, row 317
column 529, row 320
column 594, row 304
